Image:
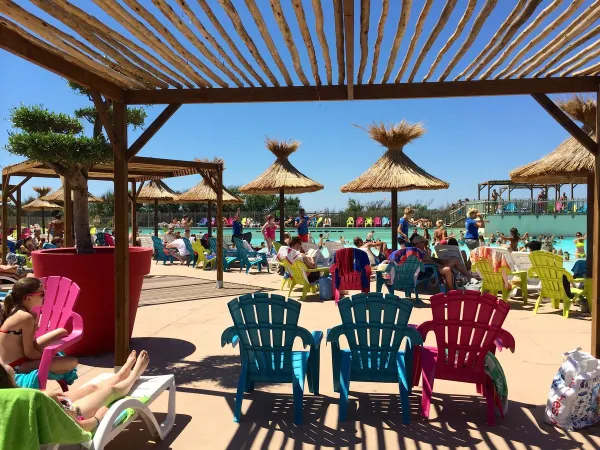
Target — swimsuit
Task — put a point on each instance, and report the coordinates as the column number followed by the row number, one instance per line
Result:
column 270, row 232
column 17, row 362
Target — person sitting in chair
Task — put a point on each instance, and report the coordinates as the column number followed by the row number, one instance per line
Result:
column 367, row 246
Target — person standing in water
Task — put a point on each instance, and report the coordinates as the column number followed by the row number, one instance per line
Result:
column 579, row 245
column 472, row 225
column 237, row 228
column 513, row 239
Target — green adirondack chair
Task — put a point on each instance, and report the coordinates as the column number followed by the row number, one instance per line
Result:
column 260, row 320
column 374, row 353
column 492, row 282
column 404, row 276
column 548, row 267
column 228, row 255
column 202, row 261
column 248, row 259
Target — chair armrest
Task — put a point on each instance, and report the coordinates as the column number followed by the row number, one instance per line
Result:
column 424, row 329
column 230, row 336
column 333, row 334
column 306, row 336
column 505, row 340
column 531, row 273
column 317, row 337
column 414, row 336
column 569, row 275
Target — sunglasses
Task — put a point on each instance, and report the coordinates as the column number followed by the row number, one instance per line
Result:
column 40, row 293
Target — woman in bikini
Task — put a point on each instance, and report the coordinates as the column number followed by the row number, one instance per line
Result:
column 513, row 239
column 579, row 245
column 19, row 348
column 89, row 404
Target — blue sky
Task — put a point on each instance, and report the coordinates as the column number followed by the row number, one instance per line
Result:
column 468, row 140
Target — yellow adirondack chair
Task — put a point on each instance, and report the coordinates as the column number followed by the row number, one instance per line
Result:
column 298, row 272
column 493, row 282
column 548, row 267
column 206, row 263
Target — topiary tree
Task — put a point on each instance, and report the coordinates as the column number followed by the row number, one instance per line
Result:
column 57, row 140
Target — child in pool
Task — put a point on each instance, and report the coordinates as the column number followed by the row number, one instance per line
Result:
column 567, row 256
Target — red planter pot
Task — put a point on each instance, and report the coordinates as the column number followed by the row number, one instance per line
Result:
column 95, row 275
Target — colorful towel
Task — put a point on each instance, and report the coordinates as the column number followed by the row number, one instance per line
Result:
column 350, row 260
column 30, row 380
column 496, row 258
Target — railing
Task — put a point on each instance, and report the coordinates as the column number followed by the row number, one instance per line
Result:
column 529, row 207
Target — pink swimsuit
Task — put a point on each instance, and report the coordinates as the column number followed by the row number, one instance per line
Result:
column 270, row 232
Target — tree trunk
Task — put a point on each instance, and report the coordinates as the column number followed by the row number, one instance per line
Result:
column 97, row 127
column 81, row 216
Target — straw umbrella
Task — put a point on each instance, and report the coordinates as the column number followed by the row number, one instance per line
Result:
column 394, row 172
column 203, row 193
column 281, row 177
column 570, row 162
column 41, row 205
column 156, row 192
column 58, row 196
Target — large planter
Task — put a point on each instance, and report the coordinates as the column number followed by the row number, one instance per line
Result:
column 95, row 275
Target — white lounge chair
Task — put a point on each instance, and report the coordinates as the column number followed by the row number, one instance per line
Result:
column 147, row 387
column 306, row 246
column 333, row 246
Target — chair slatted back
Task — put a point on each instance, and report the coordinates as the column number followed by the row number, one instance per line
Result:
column 550, row 271
column 242, row 252
column 188, row 246
column 466, row 324
column 522, row 260
column 296, row 270
column 492, row 281
column 374, row 325
column 59, row 300
column 267, row 325
column 158, row 245
column 404, row 274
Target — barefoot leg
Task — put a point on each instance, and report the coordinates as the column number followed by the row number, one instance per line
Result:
column 59, row 364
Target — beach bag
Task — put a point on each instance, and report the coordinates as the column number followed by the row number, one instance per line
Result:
column 573, row 400
column 325, row 288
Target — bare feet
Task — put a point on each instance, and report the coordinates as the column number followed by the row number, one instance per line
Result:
column 126, row 369
column 141, row 364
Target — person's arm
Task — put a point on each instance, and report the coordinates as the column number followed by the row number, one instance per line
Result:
column 27, row 324
column 237, row 215
column 308, row 261
column 262, row 230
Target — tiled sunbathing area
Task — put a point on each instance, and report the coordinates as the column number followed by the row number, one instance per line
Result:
column 180, row 321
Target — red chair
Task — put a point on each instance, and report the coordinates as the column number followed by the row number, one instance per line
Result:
column 349, row 278
column 57, row 312
column 109, row 240
column 467, row 325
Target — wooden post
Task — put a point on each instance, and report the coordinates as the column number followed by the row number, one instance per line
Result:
column 121, row 229
column 572, row 189
column 68, row 207
column 394, row 224
column 281, row 215
column 593, row 235
column 18, row 212
column 5, row 180
column 209, row 218
column 134, row 224
column 156, row 217
column 220, row 262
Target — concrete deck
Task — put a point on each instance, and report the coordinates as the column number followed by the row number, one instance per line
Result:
column 182, row 333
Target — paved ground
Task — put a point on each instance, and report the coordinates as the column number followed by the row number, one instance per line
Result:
column 180, row 324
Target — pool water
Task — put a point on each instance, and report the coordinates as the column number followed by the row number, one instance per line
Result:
column 385, row 234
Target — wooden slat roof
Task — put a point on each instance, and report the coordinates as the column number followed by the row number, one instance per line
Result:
column 143, row 52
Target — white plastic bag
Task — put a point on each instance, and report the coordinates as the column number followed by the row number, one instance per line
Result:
column 573, row 400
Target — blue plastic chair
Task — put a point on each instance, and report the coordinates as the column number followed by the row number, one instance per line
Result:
column 160, row 254
column 203, row 222
column 374, row 353
column 100, row 241
column 12, row 248
column 404, row 276
column 249, row 259
column 229, row 256
column 256, row 318
column 188, row 245
column 385, row 221
column 510, row 208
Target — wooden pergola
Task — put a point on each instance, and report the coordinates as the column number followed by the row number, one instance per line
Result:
column 541, row 47
column 509, row 186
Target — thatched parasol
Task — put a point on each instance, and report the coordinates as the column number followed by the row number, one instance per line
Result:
column 281, row 177
column 394, row 171
column 570, row 162
column 156, row 191
column 40, row 205
column 58, row 196
column 203, row 193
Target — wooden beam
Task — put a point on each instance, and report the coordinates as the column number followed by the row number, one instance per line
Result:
column 18, row 185
column 121, row 236
column 134, row 225
column 220, row 253
column 156, row 217
column 338, row 14
column 566, row 122
column 175, row 163
column 18, row 212
column 32, row 52
column 281, row 215
column 68, row 210
column 149, row 132
column 595, row 234
column 5, row 181
column 102, row 109
column 475, row 88
column 349, row 41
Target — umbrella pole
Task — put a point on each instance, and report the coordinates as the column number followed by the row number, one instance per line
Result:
column 281, row 215
column 43, row 223
column 156, row 217
column 209, row 217
column 394, row 224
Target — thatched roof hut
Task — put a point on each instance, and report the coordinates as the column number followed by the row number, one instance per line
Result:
column 394, row 170
column 281, row 175
column 58, row 197
column 570, row 162
column 203, row 193
column 40, row 204
column 156, row 191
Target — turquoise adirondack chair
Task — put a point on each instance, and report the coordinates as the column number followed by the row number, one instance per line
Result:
column 375, row 356
column 249, row 259
column 404, row 276
column 160, row 254
column 256, row 318
column 228, row 256
column 188, row 246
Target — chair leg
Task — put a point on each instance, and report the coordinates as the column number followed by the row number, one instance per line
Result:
column 336, row 363
column 298, row 395
column 524, row 291
column 567, row 306
column 346, row 362
column 537, row 304
column 404, row 387
column 428, row 375
column 489, row 398
column 237, row 412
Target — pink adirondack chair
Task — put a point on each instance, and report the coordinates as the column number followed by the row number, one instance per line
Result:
column 467, row 325
column 377, row 221
column 109, row 240
column 57, row 312
column 360, row 222
column 230, row 222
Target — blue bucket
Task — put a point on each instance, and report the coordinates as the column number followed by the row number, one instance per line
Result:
column 325, row 288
